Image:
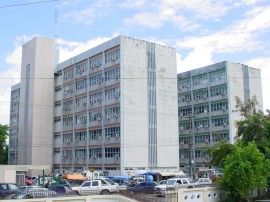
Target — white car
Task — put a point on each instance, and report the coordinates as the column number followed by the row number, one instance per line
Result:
column 203, row 181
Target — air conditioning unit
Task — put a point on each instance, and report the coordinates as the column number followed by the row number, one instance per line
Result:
column 188, row 85
column 181, row 128
column 94, row 156
column 117, row 135
column 224, row 124
column 116, row 95
column 68, row 140
column 108, row 117
column 180, row 87
column 99, row 118
column 224, row 108
column 205, row 111
column 223, row 93
column 115, row 115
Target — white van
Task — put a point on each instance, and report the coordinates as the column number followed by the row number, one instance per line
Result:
column 93, row 175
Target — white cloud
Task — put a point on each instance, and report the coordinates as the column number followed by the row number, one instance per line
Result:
column 264, row 65
column 132, row 3
column 90, row 12
column 9, row 78
column 175, row 11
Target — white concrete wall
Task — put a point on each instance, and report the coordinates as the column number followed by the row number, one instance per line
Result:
column 39, row 54
column 134, row 111
column 134, row 105
column 167, row 107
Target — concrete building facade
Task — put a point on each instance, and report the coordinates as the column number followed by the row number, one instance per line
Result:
column 206, row 107
column 111, row 108
column 115, row 109
column 32, row 105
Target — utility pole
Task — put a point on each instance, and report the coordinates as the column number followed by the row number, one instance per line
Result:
column 190, row 117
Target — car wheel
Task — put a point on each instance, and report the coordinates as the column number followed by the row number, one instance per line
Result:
column 105, row 192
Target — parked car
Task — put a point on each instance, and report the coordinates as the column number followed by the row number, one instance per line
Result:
column 7, row 189
column 163, row 182
column 34, row 193
column 203, row 181
column 63, row 190
column 143, row 187
column 174, row 183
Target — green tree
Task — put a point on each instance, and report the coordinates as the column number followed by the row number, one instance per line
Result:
column 3, row 146
column 219, row 152
column 245, row 170
column 255, row 126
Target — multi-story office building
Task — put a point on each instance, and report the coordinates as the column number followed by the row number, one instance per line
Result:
column 206, row 107
column 115, row 109
column 31, row 105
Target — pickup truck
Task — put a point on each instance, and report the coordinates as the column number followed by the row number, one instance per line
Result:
column 94, row 187
column 174, row 183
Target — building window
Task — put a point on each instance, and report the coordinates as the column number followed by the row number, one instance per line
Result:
column 68, row 89
column 67, row 138
column 81, row 84
column 81, row 68
column 95, row 116
column 184, row 84
column 200, row 94
column 68, row 74
column 112, row 112
column 80, row 102
column 201, row 123
column 112, row 132
column 95, row 134
column 95, row 80
column 96, row 62
column 112, row 55
column 200, row 79
column 112, row 74
column 199, row 153
column 218, row 90
column 112, row 93
column 220, row 136
column 68, row 121
column 95, row 153
column 81, row 119
column 112, row 152
column 185, row 97
column 219, row 106
column 68, row 106
column 201, row 109
column 202, row 138
column 184, row 111
column 220, row 121
column 184, row 140
column 80, row 136
column 80, row 153
column 184, row 154
column 185, row 126
column 95, row 97
column 218, row 76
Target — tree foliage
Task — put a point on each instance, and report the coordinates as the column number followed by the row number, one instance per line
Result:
column 245, row 170
column 3, row 146
column 255, row 126
column 219, row 153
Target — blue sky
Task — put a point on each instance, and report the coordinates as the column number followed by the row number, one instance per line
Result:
column 202, row 31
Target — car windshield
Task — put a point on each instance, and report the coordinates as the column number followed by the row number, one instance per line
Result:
column 190, row 180
column 171, row 182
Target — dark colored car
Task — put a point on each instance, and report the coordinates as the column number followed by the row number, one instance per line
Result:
column 7, row 189
column 34, row 193
column 143, row 187
column 63, row 190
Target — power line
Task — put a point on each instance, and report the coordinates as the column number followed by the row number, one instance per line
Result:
column 25, row 4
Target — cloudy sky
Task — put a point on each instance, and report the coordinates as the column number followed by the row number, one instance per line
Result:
column 202, row 31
